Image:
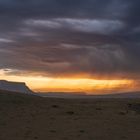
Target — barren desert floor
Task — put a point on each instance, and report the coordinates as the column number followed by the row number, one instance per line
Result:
column 24, row 117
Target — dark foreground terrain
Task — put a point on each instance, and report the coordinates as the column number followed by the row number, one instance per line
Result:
column 24, row 117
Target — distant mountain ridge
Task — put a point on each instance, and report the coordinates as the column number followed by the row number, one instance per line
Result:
column 84, row 95
column 20, row 87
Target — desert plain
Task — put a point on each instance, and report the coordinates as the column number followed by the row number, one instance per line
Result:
column 27, row 117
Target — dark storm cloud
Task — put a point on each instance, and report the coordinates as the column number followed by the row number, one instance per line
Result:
column 61, row 8
column 59, row 37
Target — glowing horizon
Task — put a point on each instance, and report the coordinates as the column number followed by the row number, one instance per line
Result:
column 95, row 86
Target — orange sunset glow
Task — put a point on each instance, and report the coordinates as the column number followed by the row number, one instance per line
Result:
column 90, row 86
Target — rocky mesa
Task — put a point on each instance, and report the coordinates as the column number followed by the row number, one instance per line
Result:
column 20, row 87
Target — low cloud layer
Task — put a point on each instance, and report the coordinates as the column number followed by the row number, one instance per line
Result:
column 92, row 38
column 81, row 25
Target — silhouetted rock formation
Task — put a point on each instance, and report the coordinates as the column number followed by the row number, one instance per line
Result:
column 14, row 86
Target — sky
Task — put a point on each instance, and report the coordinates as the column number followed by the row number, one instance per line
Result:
column 71, row 45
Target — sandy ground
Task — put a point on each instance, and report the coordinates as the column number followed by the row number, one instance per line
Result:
column 34, row 118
